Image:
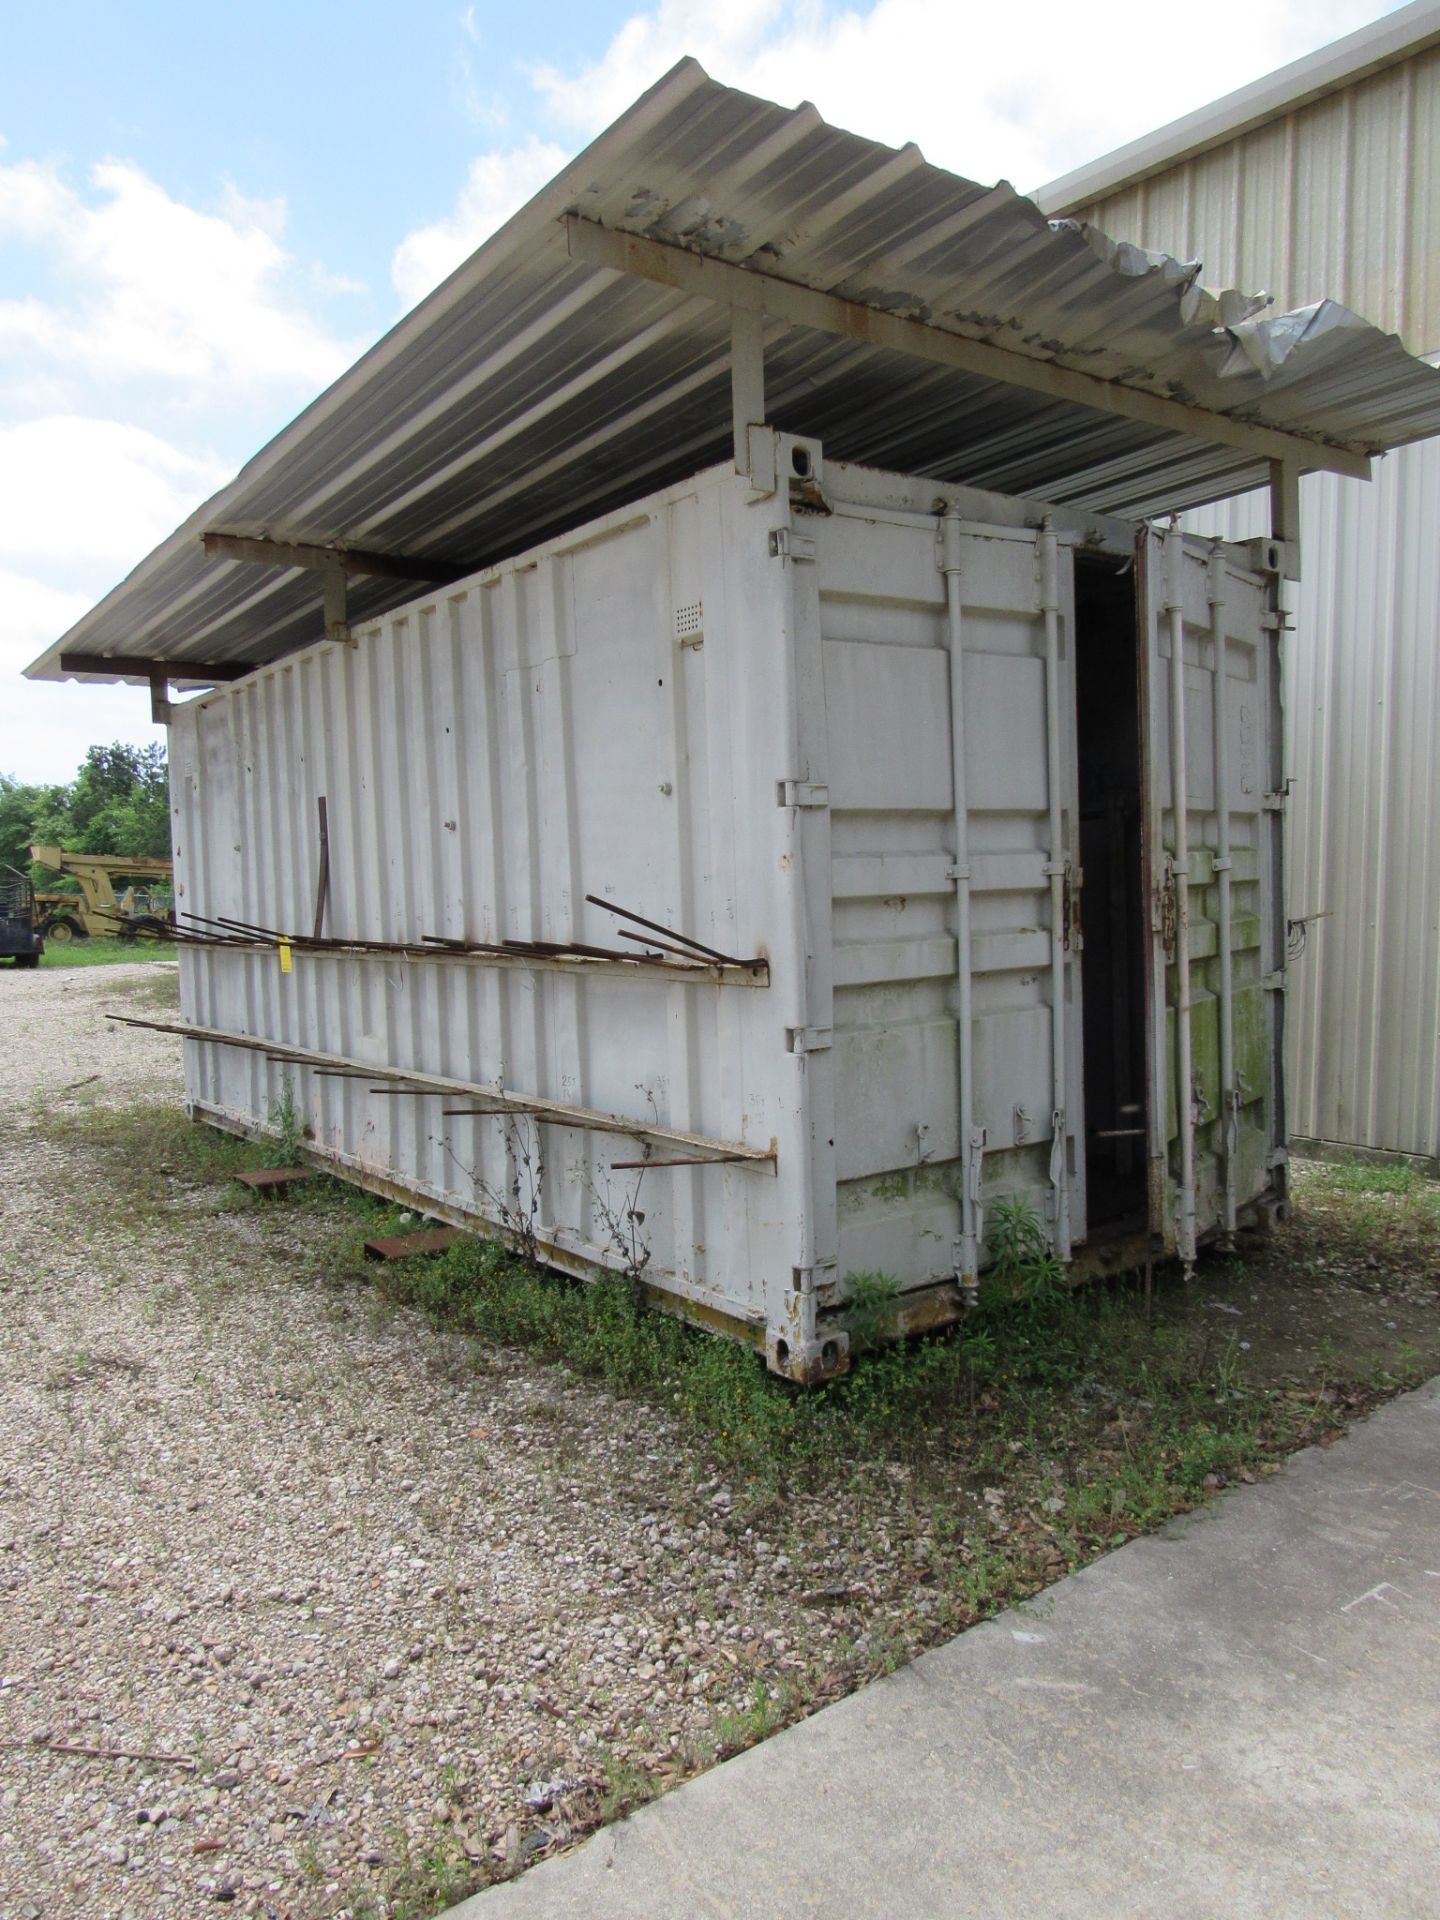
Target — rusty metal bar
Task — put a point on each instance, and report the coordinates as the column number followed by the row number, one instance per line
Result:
column 558, row 1113
column 322, row 885
column 663, row 946
column 670, row 933
column 688, row 1160
column 688, row 966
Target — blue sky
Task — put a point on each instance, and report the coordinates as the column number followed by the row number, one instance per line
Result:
column 206, row 214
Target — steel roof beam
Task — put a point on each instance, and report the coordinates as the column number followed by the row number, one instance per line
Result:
column 290, row 553
column 786, row 301
column 133, row 667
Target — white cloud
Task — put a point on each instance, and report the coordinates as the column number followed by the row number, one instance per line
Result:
column 158, row 289
column 81, row 500
column 32, row 614
column 497, row 184
column 90, row 497
column 45, row 727
column 985, row 91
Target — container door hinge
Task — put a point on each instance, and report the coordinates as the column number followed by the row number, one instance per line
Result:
column 1278, row 1157
column 809, row 1039
column 786, row 544
column 1277, row 802
column 801, row 793
column 1070, row 910
column 1275, row 982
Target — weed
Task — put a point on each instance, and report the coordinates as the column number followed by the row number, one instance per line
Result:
column 869, row 1307
column 419, row 1884
column 289, row 1140
column 752, row 1723
column 625, row 1787
column 1022, row 1266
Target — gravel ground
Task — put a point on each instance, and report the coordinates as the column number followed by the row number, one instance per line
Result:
column 366, row 1603
column 312, row 1610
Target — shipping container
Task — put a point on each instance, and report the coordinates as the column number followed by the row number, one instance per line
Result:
column 714, row 772
column 746, row 718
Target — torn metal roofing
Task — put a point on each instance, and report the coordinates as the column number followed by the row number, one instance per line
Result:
column 536, row 388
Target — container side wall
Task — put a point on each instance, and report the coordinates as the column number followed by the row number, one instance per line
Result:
column 489, row 756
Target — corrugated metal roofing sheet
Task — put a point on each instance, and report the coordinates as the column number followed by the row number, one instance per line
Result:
column 532, row 391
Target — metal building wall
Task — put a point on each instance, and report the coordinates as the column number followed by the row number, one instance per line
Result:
column 1339, row 199
column 1342, row 197
column 1362, row 700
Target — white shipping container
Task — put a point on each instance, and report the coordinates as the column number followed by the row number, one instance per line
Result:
column 745, row 714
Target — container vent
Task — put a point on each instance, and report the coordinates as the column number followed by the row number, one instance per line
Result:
column 690, row 624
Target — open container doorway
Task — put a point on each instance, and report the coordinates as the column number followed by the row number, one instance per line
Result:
column 1112, row 916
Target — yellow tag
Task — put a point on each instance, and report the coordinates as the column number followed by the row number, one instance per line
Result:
column 285, row 956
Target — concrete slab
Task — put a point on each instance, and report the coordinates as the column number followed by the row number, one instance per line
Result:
column 1237, row 1717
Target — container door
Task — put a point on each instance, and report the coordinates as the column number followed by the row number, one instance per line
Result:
column 956, row 1014
column 1212, row 879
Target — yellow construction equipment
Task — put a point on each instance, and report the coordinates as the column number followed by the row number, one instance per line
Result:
column 97, row 911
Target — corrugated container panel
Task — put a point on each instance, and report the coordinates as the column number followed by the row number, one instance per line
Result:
column 1339, row 199
column 1363, row 714
column 488, row 757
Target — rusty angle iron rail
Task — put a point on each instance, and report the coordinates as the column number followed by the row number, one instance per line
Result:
column 497, row 1099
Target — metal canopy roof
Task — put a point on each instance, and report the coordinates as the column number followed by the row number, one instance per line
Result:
column 567, row 368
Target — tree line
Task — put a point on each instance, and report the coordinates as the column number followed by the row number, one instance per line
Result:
column 118, row 803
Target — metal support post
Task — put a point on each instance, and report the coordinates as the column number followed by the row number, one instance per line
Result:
column 972, row 1138
column 1285, row 511
column 1229, row 1092
column 1180, row 869
column 747, row 379
column 1057, row 868
column 337, row 615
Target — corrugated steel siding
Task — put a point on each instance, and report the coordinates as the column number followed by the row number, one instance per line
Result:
column 1340, row 199
column 1343, row 197
column 1363, row 713
column 490, row 755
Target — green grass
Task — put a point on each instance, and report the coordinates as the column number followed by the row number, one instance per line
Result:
column 104, row 953
column 1139, row 1416
column 1370, row 1198
column 1371, row 1176
column 145, row 1148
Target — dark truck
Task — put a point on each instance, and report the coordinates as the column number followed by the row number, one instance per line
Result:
column 18, row 937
